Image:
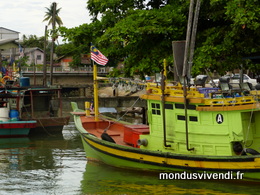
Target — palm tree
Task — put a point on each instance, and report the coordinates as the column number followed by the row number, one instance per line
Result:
column 49, row 15
column 52, row 16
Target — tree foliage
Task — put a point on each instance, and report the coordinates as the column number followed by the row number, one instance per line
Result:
column 32, row 41
column 140, row 33
column 143, row 39
column 228, row 32
column 49, row 15
column 69, row 49
column 53, row 18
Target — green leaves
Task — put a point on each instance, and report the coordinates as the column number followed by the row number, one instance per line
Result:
column 228, row 32
column 145, row 37
column 49, row 15
column 139, row 33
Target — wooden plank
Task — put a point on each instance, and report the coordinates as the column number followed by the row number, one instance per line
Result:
column 78, row 113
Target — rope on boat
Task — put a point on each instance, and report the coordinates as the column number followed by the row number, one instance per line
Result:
column 41, row 124
column 109, row 125
column 129, row 109
column 248, row 130
column 45, row 128
column 28, row 114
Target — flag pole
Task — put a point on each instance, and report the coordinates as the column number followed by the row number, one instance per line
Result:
column 95, row 90
column 99, row 58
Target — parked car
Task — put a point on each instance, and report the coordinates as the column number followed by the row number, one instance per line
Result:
column 246, row 79
column 235, row 79
column 199, row 80
column 216, row 81
column 257, row 77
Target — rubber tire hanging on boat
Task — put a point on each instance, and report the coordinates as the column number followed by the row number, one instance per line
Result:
column 249, row 151
column 238, row 149
column 107, row 137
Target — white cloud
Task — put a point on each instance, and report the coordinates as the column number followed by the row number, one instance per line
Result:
column 26, row 16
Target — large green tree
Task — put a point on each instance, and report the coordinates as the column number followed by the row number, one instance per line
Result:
column 144, row 39
column 132, row 31
column 33, row 41
column 141, row 33
column 228, row 32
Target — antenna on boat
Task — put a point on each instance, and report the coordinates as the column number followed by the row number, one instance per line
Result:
column 188, row 53
column 190, row 38
column 163, row 78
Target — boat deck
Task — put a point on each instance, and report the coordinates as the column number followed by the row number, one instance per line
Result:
column 122, row 134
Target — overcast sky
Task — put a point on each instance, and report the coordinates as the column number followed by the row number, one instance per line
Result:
column 26, row 16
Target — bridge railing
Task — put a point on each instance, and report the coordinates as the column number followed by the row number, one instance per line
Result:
column 88, row 69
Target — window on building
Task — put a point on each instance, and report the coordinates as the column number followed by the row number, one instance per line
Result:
column 38, row 57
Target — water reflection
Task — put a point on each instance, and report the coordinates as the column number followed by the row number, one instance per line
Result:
column 49, row 164
column 103, row 179
column 11, row 152
column 57, row 165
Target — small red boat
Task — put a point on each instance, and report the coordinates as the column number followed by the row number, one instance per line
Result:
column 16, row 128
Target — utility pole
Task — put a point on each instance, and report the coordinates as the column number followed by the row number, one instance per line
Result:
column 44, row 58
column 0, row 60
column 52, row 41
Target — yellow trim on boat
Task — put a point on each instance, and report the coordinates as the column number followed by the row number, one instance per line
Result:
column 178, row 162
column 229, row 108
column 173, row 99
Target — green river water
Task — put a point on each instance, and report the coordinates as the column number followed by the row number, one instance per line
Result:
column 50, row 164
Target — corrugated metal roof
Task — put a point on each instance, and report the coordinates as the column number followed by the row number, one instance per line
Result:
column 4, row 41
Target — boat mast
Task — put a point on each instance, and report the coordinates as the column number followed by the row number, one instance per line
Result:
column 190, row 38
column 187, row 43
column 95, row 90
column 193, row 36
column 164, row 74
column 188, row 54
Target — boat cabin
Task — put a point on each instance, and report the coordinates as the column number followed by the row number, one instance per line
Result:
column 220, row 121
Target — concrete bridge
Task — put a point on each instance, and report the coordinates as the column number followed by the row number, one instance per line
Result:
column 81, row 81
column 69, row 77
column 114, row 102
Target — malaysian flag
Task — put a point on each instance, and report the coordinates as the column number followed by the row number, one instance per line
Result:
column 21, row 51
column 97, row 56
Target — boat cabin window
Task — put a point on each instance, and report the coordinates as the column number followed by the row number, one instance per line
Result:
column 179, row 106
column 181, row 117
column 154, row 105
column 189, row 106
column 191, row 118
column 168, row 106
column 156, row 109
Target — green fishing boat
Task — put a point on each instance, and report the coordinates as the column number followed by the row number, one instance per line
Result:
column 220, row 133
column 191, row 128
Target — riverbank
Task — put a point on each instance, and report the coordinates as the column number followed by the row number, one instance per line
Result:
column 110, row 92
column 124, row 100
